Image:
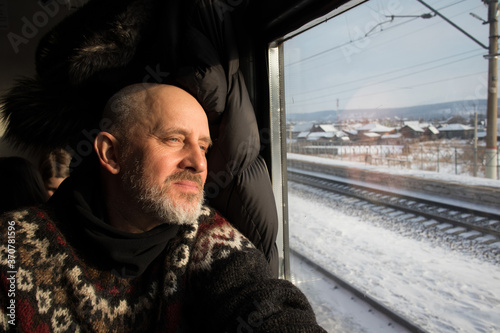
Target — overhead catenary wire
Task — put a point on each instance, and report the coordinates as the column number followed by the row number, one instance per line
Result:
column 360, row 39
column 406, row 75
column 338, row 94
column 399, row 88
column 378, row 75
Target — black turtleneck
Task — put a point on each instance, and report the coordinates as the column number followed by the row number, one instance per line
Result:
column 80, row 209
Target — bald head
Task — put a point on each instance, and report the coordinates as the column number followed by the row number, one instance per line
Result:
column 135, row 106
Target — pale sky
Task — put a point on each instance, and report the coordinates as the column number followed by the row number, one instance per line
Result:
column 364, row 59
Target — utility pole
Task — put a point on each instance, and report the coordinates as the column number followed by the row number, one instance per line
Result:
column 491, row 129
column 475, row 143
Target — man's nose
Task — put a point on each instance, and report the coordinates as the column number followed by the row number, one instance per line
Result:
column 195, row 159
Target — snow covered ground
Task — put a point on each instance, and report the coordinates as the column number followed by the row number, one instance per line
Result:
column 450, row 285
column 336, row 309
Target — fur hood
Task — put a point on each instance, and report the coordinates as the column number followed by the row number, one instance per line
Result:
column 79, row 64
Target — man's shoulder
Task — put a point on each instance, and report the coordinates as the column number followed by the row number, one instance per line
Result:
column 30, row 228
column 216, row 239
column 211, row 221
column 26, row 218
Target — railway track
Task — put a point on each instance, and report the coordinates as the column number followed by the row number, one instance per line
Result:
column 375, row 306
column 452, row 219
column 458, row 221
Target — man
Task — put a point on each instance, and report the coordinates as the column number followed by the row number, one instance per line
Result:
column 136, row 251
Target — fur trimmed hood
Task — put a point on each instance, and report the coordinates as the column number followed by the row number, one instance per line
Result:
column 79, row 65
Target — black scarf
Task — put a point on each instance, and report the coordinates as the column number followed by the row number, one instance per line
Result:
column 80, row 209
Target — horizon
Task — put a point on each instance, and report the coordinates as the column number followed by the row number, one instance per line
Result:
column 434, row 113
column 481, row 101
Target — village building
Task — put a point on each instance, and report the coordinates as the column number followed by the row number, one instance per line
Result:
column 458, row 131
column 392, row 139
column 324, row 128
column 431, row 132
column 412, row 131
column 373, row 131
column 294, row 130
column 326, row 134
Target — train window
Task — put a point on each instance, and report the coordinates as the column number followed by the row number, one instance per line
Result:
column 391, row 188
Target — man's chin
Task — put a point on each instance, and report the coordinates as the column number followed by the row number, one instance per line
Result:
column 188, row 211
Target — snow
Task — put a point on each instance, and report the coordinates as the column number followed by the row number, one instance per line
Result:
column 441, row 285
column 374, row 127
column 462, row 179
column 455, row 127
column 318, row 135
column 350, row 315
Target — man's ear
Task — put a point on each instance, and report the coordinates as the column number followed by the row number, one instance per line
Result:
column 106, row 145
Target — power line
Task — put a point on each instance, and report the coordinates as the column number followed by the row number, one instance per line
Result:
column 422, row 84
column 336, row 93
column 395, row 89
column 322, row 97
column 383, row 74
column 360, row 39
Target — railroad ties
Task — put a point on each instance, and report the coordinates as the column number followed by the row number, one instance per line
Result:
column 447, row 208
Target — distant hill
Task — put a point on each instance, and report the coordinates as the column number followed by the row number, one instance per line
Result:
column 428, row 112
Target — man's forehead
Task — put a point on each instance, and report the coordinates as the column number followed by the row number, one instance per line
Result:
column 162, row 129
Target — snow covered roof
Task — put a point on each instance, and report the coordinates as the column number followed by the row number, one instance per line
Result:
column 324, row 135
column 374, row 127
column 303, row 134
column 327, row 128
column 302, row 127
column 455, row 127
column 351, row 131
column 415, row 127
column 433, row 129
column 318, row 135
column 411, row 122
column 371, row 134
column 356, row 125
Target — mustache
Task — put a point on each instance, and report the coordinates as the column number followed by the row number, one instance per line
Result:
column 185, row 175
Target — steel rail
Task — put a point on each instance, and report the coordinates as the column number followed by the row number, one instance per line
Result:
column 396, row 317
column 327, row 184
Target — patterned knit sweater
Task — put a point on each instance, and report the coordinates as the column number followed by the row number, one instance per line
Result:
column 209, row 278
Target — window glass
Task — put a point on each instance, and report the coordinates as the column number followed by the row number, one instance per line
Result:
column 392, row 94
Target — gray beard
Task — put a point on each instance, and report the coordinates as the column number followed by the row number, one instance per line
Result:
column 154, row 200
